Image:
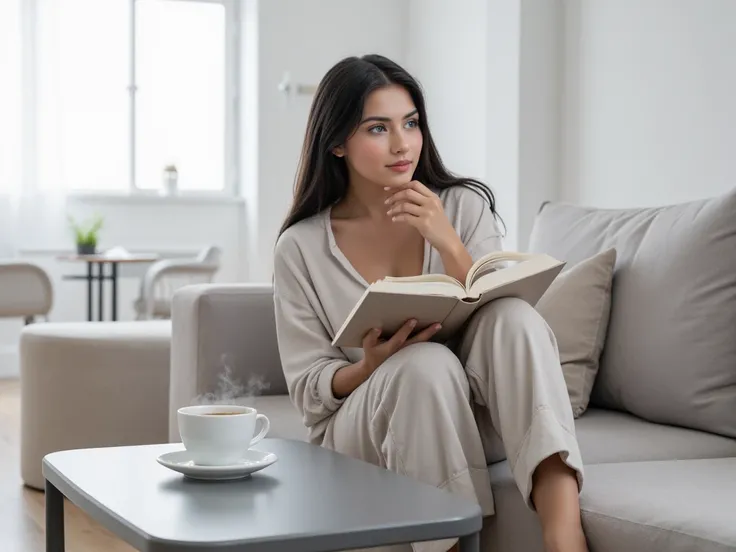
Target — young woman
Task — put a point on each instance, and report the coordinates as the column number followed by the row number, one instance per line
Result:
column 373, row 199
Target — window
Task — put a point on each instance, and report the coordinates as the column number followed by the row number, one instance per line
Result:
column 127, row 87
column 180, row 106
column 10, row 96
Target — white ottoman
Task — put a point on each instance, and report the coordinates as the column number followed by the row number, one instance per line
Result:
column 92, row 384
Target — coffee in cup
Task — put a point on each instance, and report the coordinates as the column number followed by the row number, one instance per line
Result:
column 219, row 435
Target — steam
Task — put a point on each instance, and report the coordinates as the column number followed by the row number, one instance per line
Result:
column 229, row 390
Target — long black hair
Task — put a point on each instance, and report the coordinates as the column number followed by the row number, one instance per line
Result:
column 322, row 177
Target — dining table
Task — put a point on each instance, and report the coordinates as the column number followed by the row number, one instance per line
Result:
column 97, row 272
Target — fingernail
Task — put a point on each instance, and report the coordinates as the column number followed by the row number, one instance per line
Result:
column 387, row 188
column 386, row 202
column 413, row 323
column 438, row 326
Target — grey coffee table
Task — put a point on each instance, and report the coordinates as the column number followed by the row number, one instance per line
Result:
column 311, row 500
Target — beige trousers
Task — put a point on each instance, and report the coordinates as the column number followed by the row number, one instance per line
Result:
column 442, row 414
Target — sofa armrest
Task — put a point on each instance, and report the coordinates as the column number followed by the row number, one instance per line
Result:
column 223, row 346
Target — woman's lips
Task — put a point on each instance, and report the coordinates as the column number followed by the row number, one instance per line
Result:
column 401, row 166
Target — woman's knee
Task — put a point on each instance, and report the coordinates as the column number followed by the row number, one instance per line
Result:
column 427, row 365
column 511, row 311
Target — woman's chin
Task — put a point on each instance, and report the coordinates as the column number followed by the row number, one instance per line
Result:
column 398, row 179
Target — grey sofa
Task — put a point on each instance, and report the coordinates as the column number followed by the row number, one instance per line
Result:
column 659, row 435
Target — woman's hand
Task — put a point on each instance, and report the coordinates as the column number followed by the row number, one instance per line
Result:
column 417, row 205
column 377, row 351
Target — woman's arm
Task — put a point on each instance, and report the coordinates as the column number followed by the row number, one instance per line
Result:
column 308, row 359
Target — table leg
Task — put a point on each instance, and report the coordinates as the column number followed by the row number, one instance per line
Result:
column 89, row 291
column 54, row 519
column 101, row 292
column 114, row 267
column 470, row 543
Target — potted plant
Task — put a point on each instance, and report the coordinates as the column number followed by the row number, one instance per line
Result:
column 86, row 235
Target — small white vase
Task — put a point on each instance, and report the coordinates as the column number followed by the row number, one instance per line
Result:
column 170, row 183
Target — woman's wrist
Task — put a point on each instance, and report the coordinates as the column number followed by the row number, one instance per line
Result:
column 456, row 259
column 348, row 378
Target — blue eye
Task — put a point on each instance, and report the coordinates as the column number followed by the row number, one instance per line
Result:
column 375, row 128
column 413, row 123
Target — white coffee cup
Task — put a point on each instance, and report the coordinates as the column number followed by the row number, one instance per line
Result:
column 219, row 435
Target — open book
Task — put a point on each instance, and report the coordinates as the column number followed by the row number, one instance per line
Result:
column 431, row 298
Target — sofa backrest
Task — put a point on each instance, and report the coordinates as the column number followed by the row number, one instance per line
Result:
column 670, row 350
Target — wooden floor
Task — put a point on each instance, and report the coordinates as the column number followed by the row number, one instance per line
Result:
column 22, row 509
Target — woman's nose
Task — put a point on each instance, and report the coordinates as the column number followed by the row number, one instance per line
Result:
column 399, row 144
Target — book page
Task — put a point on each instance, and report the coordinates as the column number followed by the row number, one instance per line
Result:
column 529, row 289
column 424, row 278
column 492, row 262
column 412, row 286
column 519, row 272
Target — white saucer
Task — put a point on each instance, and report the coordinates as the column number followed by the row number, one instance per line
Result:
column 181, row 461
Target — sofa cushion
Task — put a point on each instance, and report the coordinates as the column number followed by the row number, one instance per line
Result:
column 670, row 351
column 577, row 307
column 285, row 420
column 673, row 506
column 610, row 436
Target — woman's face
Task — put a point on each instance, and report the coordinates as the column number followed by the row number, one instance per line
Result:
column 386, row 145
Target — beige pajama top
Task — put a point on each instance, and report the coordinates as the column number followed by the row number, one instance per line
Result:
column 316, row 287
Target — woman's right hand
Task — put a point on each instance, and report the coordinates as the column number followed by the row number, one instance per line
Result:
column 376, row 350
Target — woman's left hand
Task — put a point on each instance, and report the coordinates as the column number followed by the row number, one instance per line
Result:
column 417, row 205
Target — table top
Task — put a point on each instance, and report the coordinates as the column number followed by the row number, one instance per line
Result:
column 102, row 258
column 311, row 499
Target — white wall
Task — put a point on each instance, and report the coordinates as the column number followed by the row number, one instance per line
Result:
column 540, row 105
column 446, row 53
column 304, row 39
column 650, row 101
column 503, row 27
column 611, row 103
column 490, row 71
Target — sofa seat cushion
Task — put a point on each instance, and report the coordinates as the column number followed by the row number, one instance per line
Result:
column 676, row 506
column 611, row 436
column 285, row 420
column 605, row 437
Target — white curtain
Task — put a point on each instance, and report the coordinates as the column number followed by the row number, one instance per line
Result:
column 32, row 194
column 11, row 135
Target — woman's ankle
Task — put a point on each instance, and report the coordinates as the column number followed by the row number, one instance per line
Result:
column 565, row 539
